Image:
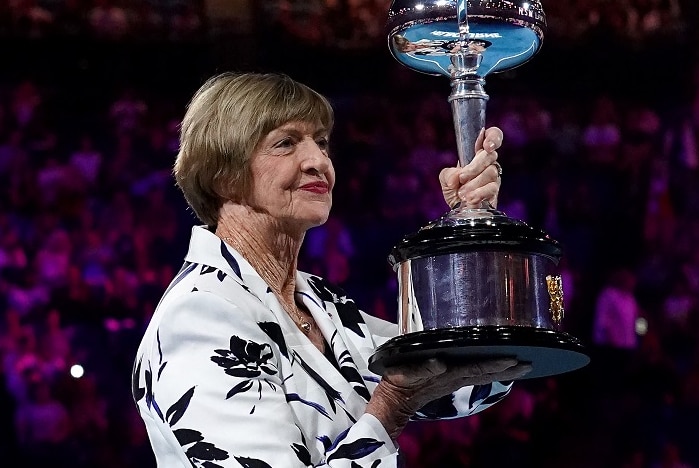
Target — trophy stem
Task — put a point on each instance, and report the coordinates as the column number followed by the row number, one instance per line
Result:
column 468, row 102
column 467, row 96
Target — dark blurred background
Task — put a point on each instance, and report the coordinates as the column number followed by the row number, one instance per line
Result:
column 601, row 150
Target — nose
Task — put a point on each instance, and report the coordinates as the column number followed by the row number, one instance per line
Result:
column 315, row 158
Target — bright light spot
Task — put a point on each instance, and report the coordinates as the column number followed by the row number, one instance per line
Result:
column 419, row 6
column 641, row 326
column 525, row 5
column 77, row 371
column 441, row 2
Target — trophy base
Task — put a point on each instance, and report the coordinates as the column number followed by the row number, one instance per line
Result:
column 549, row 352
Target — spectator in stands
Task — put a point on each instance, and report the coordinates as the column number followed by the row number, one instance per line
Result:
column 107, row 20
column 127, row 112
column 87, row 160
column 43, row 427
column 617, row 311
column 614, row 328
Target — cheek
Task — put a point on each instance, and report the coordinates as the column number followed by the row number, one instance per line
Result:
column 331, row 176
column 274, row 177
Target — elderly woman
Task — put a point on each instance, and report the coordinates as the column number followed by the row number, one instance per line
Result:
column 248, row 361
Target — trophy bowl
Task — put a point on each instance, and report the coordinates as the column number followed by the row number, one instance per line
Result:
column 422, row 34
column 475, row 284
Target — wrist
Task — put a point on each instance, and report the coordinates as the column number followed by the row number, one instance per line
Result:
column 392, row 409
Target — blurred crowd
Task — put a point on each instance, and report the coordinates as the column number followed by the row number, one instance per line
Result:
column 172, row 20
column 92, row 229
column 359, row 24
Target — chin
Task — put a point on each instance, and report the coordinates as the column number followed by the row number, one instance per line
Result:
column 319, row 221
column 307, row 222
column 318, row 216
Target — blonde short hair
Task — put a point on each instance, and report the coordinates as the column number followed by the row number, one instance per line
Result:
column 225, row 121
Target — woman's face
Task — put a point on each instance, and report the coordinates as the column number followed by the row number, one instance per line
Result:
column 292, row 175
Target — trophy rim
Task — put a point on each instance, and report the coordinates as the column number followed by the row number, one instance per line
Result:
column 536, row 16
column 548, row 351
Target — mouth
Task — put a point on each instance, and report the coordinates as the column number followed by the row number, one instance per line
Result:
column 315, row 187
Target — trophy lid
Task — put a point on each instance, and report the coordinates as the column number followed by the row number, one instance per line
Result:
column 424, row 34
column 496, row 231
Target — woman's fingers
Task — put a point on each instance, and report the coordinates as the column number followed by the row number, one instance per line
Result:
column 433, row 376
column 415, row 374
column 485, row 186
column 490, row 139
column 449, row 180
column 479, row 180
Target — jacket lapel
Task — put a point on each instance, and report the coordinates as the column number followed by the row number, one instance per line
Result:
column 349, row 378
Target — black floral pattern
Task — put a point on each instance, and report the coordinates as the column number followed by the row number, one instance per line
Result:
column 440, row 408
column 137, row 391
column 356, row 449
column 351, row 450
column 302, row 453
column 348, row 369
column 245, row 358
column 186, row 269
column 200, row 453
column 274, row 331
column 332, row 394
column 291, row 397
column 246, row 462
column 232, row 262
column 177, row 410
column 346, row 308
column 492, row 397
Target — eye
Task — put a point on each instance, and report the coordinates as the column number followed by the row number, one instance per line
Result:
column 285, row 143
column 323, row 143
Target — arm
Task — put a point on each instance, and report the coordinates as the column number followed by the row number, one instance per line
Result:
column 432, row 390
column 405, row 391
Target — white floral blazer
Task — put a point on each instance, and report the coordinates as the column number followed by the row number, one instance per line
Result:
column 224, row 378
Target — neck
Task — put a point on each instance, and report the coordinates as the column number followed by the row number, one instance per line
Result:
column 270, row 248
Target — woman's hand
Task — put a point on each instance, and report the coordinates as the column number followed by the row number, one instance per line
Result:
column 480, row 179
column 403, row 390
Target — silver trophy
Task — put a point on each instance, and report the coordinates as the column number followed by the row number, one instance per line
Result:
column 475, row 284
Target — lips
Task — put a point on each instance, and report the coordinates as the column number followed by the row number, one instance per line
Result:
column 315, row 187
